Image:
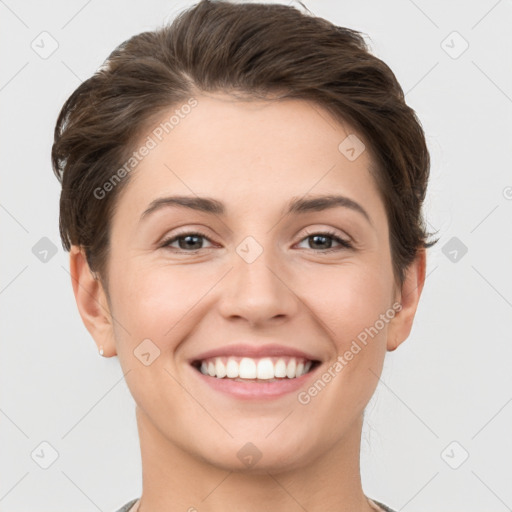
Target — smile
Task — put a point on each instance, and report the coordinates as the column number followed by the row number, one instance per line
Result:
column 267, row 369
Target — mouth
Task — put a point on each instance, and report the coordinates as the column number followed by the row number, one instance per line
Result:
column 256, row 370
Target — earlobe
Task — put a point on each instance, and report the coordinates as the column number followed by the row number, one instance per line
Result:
column 401, row 325
column 91, row 302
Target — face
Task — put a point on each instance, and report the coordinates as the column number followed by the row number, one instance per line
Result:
column 246, row 277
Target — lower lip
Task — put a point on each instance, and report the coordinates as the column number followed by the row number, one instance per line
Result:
column 255, row 390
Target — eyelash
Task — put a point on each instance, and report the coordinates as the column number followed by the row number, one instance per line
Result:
column 331, row 234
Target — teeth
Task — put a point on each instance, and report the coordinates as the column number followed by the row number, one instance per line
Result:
column 266, row 368
column 220, row 369
column 232, row 369
column 280, row 368
column 247, row 368
column 291, row 369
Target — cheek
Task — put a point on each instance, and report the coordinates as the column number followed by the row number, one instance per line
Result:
column 351, row 303
column 152, row 303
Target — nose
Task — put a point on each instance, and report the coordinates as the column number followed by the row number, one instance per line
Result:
column 259, row 291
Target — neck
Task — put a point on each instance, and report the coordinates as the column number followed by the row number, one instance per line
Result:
column 175, row 480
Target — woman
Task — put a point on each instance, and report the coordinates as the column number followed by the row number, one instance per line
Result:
column 241, row 199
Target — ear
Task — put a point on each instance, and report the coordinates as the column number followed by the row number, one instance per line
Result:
column 409, row 296
column 92, row 302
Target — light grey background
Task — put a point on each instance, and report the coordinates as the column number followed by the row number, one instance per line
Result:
column 450, row 381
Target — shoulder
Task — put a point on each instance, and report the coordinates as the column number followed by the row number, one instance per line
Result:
column 128, row 506
column 385, row 508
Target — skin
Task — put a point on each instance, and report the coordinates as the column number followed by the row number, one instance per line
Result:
column 254, row 156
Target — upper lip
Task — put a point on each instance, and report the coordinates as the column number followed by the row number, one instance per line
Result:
column 254, row 351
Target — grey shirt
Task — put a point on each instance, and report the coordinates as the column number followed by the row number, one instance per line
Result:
column 130, row 504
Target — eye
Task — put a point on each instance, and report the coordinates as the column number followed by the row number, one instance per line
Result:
column 187, row 241
column 326, row 235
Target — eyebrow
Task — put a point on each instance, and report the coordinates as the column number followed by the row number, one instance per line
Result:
column 296, row 205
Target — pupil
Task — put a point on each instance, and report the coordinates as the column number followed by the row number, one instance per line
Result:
column 188, row 243
column 187, row 238
column 315, row 237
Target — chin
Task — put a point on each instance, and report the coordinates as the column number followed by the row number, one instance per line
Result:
column 259, row 456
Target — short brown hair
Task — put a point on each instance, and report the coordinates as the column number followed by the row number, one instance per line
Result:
column 251, row 49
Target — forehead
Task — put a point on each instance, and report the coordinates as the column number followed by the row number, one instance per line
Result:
column 266, row 151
